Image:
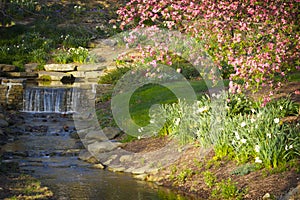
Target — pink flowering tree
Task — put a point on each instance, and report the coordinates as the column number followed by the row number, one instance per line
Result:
column 257, row 39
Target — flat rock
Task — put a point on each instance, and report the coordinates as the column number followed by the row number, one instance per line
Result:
column 100, row 147
column 94, row 74
column 55, row 76
column 91, row 67
column 21, row 74
column 60, row 67
column 111, row 132
column 77, row 74
column 8, row 68
column 116, row 168
column 96, row 135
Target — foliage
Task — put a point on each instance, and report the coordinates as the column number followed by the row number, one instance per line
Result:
column 114, row 75
column 255, row 41
column 256, row 134
column 209, row 178
column 226, row 189
column 244, row 169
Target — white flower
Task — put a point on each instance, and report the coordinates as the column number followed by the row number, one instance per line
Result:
column 258, row 160
column 243, row 124
column 177, row 121
column 280, row 107
column 140, row 130
column 237, row 136
column 288, row 147
column 276, row 120
column 269, row 135
column 203, row 109
column 152, row 121
column 243, row 140
column 252, row 120
column 233, row 142
column 257, row 148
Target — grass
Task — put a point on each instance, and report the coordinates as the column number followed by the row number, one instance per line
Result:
column 151, row 94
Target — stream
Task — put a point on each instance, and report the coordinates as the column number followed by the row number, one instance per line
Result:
column 47, row 148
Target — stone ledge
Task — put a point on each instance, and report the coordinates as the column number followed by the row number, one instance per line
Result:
column 60, row 67
column 55, row 76
column 21, row 74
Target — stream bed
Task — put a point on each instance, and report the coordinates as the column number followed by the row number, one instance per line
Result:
column 47, row 149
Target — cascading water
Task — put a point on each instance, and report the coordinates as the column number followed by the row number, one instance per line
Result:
column 50, row 100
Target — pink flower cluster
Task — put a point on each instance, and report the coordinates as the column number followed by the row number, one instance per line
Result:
column 260, row 39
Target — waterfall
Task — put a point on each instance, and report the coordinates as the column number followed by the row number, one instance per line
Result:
column 50, row 100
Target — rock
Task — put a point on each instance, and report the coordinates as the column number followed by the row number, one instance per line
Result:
column 91, row 67
column 100, row 147
column 96, row 135
column 3, row 123
column 77, row 74
column 54, row 76
column 87, row 157
column 8, row 68
column 21, row 74
column 111, row 132
column 141, row 177
column 60, row 67
column 294, row 194
column 93, row 75
column 98, row 166
column 109, row 42
column 74, row 135
column 116, row 168
column 30, row 67
column 267, row 196
column 2, row 116
column 125, row 158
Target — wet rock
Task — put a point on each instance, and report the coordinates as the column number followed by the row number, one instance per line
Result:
column 74, row 135
column 3, row 123
column 87, row 157
column 141, row 177
column 116, row 168
column 111, row 132
column 98, row 166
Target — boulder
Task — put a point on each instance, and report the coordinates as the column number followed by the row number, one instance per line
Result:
column 60, row 67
